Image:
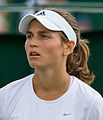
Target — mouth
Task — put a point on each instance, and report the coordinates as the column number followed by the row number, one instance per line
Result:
column 34, row 54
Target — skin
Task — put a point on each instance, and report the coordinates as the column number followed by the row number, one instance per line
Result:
column 51, row 79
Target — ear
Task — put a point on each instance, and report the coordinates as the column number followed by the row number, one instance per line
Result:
column 69, row 47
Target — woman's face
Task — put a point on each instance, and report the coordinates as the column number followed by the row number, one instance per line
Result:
column 43, row 46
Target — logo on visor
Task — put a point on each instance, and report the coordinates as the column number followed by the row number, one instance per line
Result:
column 41, row 13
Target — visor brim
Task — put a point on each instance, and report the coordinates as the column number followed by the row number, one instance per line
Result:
column 25, row 22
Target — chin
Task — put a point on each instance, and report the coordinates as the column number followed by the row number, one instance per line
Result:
column 38, row 66
column 35, row 65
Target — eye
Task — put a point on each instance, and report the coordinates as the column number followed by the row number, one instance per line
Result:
column 29, row 36
column 43, row 36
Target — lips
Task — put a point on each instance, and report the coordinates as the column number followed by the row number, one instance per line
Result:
column 34, row 54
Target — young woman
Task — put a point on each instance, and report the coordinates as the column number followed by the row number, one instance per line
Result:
column 59, row 89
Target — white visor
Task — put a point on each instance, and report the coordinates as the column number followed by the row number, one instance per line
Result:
column 50, row 20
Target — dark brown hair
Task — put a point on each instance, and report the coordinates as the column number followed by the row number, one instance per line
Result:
column 77, row 61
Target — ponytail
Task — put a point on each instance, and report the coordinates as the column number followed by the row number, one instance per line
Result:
column 77, row 63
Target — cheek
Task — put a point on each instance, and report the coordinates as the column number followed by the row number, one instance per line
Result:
column 54, row 48
column 26, row 46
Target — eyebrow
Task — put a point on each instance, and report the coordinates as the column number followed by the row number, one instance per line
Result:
column 43, row 32
column 28, row 32
column 39, row 32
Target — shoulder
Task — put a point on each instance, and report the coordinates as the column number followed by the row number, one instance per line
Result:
column 91, row 99
column 96, row 112
column 85, row 89
column 15, row 85
column 10, row 92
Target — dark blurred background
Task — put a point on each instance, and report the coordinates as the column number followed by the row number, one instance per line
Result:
column 13, row 61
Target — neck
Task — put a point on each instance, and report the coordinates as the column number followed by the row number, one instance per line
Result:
column 51, row 80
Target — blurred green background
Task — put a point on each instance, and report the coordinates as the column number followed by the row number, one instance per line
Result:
column 13, row 61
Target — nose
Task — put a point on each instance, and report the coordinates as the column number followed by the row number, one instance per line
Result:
column 33, row 43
